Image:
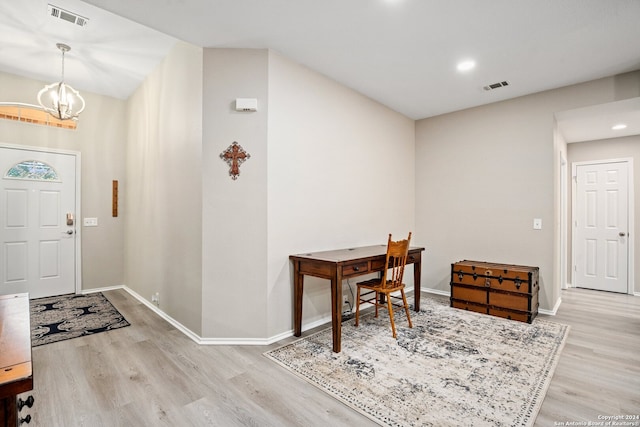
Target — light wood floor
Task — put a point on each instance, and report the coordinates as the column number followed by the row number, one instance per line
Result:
column 150, row 374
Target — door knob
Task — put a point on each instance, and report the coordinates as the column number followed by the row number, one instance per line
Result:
column 69, row 232
column 622, row 234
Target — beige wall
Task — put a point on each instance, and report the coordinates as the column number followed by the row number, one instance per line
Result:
column 100, row 139
column 163, row 191
column 340, row 173
column 321, row 156
column 234, row 211
column 627, row 147
column 484, row 174
column 329, row 168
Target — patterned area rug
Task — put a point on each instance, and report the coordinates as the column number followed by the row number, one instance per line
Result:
column 70, row 316
column 454, row 368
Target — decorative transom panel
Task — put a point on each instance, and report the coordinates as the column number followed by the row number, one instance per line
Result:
column 33, row 170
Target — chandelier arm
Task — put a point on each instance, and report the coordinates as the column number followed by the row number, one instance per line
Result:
column 63, row 98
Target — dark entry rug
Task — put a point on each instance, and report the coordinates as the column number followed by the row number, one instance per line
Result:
column 70, row 316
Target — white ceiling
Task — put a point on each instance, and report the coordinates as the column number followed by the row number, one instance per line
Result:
column 110, row 55
column 596, row 121
column 402, row 53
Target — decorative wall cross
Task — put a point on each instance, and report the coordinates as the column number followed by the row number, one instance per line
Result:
column 234, row 155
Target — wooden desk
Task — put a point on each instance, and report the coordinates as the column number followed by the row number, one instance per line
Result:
column 16, row 374
column 343, row 264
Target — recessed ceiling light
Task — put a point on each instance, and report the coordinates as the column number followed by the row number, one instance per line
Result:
column 619, row 126
column 466, row 65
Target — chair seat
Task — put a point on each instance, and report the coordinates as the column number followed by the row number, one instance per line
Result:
column 375, row 285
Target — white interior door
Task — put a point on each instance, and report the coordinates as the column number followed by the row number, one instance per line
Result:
column 601, row 226
column 38, row 222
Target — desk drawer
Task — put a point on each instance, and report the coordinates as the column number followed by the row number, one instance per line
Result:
column 355, row 269
column 317, row 269
column 378, row 264
column 414, row 257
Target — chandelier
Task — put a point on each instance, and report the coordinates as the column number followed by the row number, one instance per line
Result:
column 60, row 100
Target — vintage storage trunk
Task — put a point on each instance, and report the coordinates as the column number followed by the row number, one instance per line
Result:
column 504, row 290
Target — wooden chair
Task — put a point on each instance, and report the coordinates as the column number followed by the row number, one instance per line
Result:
column 391, row 281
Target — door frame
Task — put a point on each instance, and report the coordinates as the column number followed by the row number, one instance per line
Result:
column 78, row 235
column 565, row 283
column 630, row 216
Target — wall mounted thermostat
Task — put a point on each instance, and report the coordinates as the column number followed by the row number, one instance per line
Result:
column 246, row 104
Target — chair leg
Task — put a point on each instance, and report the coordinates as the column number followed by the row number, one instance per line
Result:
column 406, row 307
column 358, row 305
column 393, row 324
column 376, row 303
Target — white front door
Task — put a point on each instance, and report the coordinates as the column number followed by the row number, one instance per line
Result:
column 601, row 226
column 37, row 222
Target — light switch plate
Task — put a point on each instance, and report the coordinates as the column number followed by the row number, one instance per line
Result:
column 537, row 224
column 90, row 222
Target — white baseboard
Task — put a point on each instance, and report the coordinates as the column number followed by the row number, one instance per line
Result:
column 188, row 332
column 553, row 311
column 436, row 291
column 250, row 341
column 179, row 326
column 104, row 289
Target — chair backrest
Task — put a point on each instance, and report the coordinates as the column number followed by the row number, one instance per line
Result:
column 396, row 260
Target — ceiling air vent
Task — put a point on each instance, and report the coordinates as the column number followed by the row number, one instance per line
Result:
column 493, row 86
column 65, row 15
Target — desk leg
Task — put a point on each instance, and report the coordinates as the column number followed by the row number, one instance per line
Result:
column 8, row 411
column 336, row 311
column 417, row 271
column 298, row 286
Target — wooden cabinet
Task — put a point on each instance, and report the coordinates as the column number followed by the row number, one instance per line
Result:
column 503, row 290
column 16, row 375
